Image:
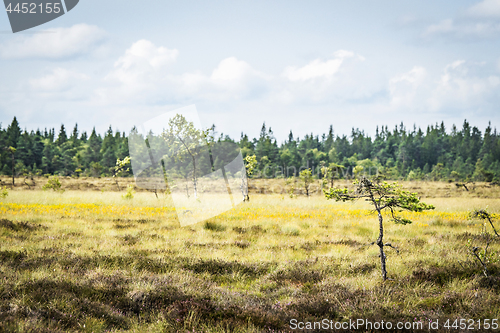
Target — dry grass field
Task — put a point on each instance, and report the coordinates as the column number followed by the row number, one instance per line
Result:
column 88, row 260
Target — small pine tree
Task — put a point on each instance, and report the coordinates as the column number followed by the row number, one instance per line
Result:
column 3, row 192
column 53, row 183
column 121, row 167
column 483, row 214
column 382, row 196
column 250, row 165
column 130, row 192
column 291, row 182
column 307, row 177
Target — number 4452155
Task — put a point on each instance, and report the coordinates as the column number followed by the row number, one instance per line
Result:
column 33, row 8
column 471, row 324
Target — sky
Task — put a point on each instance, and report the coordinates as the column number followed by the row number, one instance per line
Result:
column 295, row 65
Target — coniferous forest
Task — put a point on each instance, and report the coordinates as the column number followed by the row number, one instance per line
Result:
column 462, row 153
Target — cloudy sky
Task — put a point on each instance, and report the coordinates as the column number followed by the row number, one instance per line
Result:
column 299, row 65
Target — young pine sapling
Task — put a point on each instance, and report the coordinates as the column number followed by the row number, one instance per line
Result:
column 483, row 214
column 121, row 167
column 307, row 177
column 250, row 165
column 383, row 197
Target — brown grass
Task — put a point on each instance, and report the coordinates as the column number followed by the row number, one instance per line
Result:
column 128, row 265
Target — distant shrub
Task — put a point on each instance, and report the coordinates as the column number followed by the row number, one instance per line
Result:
column 291, row 182
column 53, row 183
column 290, row 230
column 307, row 177
column 3, row 192
column 241, row 244
column 212, row 226
column 130, row 192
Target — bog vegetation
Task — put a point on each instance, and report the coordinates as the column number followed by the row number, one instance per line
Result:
column 82, row 248
column 91, row 261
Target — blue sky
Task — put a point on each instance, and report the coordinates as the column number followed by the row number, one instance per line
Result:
column 299, row 65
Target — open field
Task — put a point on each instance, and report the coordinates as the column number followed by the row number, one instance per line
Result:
column 92, row 261
column 263, row 186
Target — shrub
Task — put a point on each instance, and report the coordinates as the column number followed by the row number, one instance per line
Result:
column 130, row 192
column 213, row 226
column 291, row 192
column 53, row 183
column 3, row 192
column 290, row 230
column 307, row 177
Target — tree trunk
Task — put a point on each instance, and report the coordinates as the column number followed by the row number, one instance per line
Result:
column 228, row 188
column 244, row 188
column 13, row 171
column 380, row 243
column 194, row 177
column 495, row 230
column 116, row 181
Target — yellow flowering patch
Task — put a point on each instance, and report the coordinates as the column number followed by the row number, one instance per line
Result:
column 84, row 210
column 329, row 214
column 239, row 214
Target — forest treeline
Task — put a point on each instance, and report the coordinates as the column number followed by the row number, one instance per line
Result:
column 465, row 153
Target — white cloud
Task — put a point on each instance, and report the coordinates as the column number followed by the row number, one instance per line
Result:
column 313, row 70
column 480, row 21
column 141, row 79
column 458, row 88
column 338, row 78
column 464, row 30
column 318, row 68
column 59, row 80
column 142, row 59
column 232, row 69
column 405, row 88
column 56, row 43
column 445, row 26
column 486, row 8
column 234, row 78
column 231, row 79
column 142, row 73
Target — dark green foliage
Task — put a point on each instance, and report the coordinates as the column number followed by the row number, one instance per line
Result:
column 18, row 226
column 45, row 152
column 464, row 154
column 213, row 226
column 54, row 184
column 398, row 154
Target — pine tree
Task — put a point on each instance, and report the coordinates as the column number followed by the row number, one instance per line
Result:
column 108, row 150
column 74, row 136
column 62, row 137
column 13, row 133
column 93, row 151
